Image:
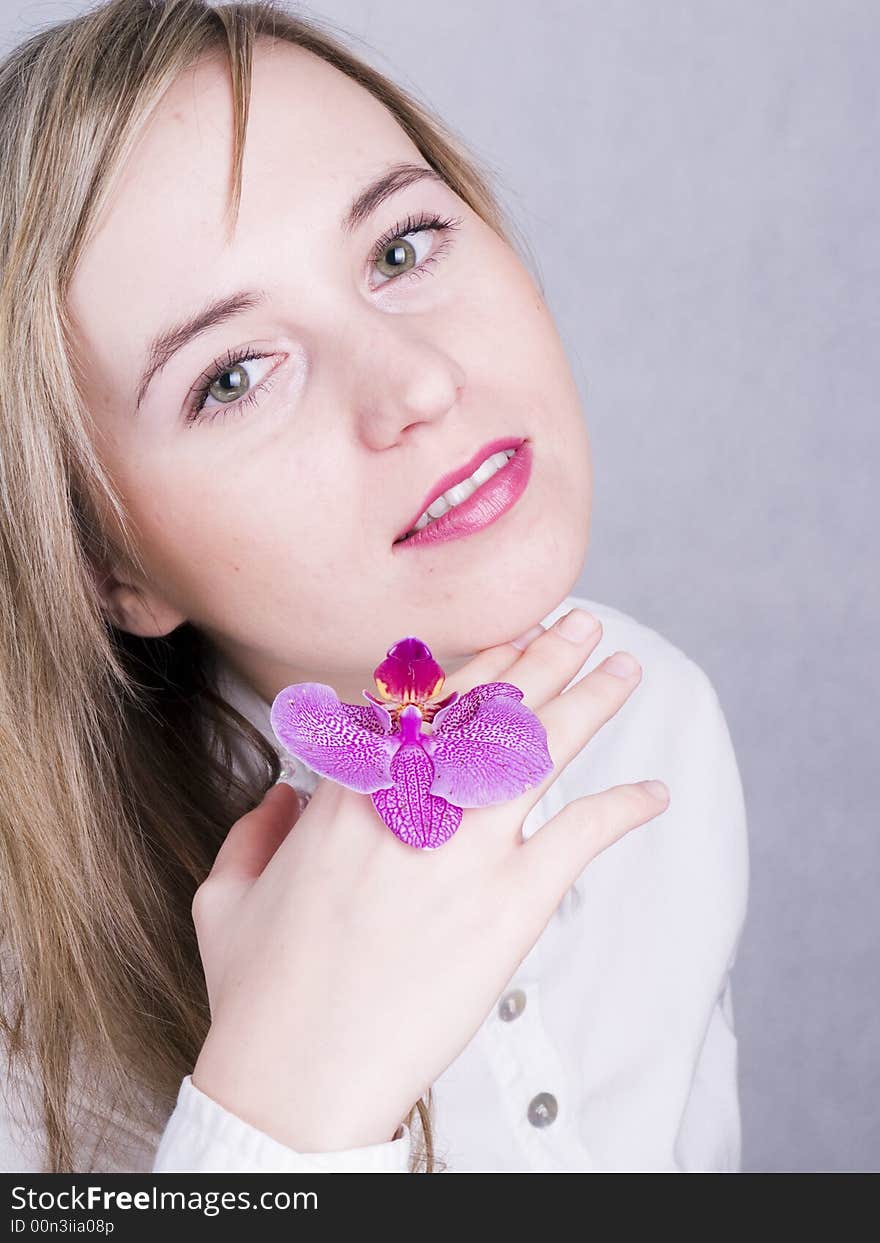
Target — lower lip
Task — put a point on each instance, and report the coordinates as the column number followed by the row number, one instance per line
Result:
column 486, row 505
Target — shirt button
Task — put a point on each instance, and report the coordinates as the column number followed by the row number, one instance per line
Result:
column 512, row 1005
column 542, row 1109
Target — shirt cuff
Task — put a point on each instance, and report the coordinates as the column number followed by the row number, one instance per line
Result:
column 203, row 1136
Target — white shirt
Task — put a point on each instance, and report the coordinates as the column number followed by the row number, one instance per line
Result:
column 612, row 1048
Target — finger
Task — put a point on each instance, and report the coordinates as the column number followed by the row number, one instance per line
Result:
column 576, row 716
column 550, row 662
column 573, row 718
column 551, row 860
column 547, row 664
column 491, row 664
column 254, row 838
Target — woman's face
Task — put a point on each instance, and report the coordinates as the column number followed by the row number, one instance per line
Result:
column 269, row 521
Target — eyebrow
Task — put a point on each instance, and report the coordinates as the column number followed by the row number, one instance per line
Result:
column 167, row 343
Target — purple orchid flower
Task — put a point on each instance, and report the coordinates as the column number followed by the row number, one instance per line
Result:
column 481, row 747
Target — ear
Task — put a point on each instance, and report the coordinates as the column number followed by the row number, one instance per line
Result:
column 134, row 607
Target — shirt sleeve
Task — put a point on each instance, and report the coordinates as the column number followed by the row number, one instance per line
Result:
column 203, row 1136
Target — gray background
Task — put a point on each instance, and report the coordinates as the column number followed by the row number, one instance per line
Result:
column 698, row 183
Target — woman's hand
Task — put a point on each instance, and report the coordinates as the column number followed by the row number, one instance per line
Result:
column 346, row 970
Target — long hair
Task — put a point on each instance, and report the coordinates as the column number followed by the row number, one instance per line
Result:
column 118, row 779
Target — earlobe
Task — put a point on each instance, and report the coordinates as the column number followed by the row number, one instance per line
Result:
column 133, row 609
column 141, row 613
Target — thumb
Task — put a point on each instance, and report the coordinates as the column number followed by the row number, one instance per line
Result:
column 255, row 836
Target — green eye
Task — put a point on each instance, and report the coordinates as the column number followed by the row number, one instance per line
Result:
column 396, row 256
column 229, row 395
column 394, row 253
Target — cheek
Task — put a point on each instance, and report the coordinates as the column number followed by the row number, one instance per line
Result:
column 216, row 539
column 186, row 526
column 521, row 366
column 512, row 341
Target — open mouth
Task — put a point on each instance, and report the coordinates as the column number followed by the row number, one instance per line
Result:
column 477, row 501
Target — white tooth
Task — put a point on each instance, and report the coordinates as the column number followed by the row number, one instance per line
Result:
column 484, row 472
column 438, row 507
column 460, row 492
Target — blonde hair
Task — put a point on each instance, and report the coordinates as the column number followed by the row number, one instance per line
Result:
column 117, row 781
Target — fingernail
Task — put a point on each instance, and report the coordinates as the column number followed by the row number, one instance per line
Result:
column 657, row 790
column 621, row 664
column 525, row 639
column 577, row 625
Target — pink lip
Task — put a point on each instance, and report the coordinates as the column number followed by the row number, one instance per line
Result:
column 486, row 505
column 456, row 476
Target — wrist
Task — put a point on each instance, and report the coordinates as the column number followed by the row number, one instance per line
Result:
column 291, row 1112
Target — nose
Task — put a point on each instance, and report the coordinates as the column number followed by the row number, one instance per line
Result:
column 404, row 379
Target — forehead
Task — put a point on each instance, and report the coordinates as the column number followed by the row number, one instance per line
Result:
column 313, row 137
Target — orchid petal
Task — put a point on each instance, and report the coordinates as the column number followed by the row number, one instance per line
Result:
column 381, row 713
column 489, row 748
column 466, row 705
column 412, row 813
column 338, row 740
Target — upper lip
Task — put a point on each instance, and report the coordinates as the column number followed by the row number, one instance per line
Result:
column 461, row 472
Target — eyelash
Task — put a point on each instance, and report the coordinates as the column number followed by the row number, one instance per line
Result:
column 425, row 221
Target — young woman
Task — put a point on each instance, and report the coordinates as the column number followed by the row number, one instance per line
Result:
column 256, row 304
